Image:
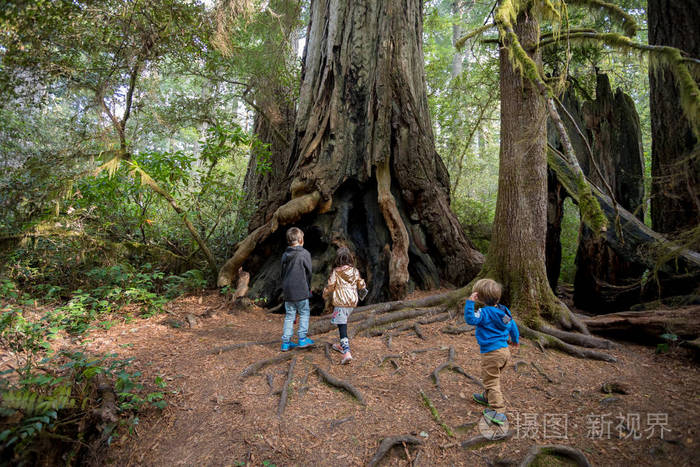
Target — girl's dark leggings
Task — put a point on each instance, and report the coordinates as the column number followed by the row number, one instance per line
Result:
column 343, row 331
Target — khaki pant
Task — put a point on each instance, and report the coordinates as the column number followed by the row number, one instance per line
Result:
column 492, row 363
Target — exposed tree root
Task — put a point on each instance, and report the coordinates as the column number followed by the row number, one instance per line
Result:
column 542, row 372
column 327, row 351
column 399, row 327
column 417, row 329
column 373, row 320
column 227, row 348
column 457, row 329
column 547, row 340
column 450, row 365
column 480, row 441
column 518, row 364
column 260, row 364
column 337, row 423
column 270, row 381
column 436, row 415
column 388, row 357
column 555, row 450
column 285, row 388
column 581, row 340
column 388, row 443
column 341, row 385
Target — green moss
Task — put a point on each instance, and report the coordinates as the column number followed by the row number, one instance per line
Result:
column 591, row 213
column 629, row 25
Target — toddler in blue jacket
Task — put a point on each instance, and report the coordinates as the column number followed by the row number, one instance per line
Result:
column 494, row 324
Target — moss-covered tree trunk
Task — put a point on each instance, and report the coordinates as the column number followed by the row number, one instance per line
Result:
column 675, row 192
column 516, row 254
column 363, row 170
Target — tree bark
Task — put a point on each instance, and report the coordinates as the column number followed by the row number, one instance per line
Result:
column 362, row 129
column 516, row 255
column 606, row 281
column 675, row 163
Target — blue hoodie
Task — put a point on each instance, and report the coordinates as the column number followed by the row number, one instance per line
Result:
column 493, row 325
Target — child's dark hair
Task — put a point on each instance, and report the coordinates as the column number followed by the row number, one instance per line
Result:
column 343, row 257
column 489, row 291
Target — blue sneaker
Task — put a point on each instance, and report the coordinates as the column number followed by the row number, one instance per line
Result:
column 481, row 399
column 495, row 417
column 287, row 346
column 305, row 342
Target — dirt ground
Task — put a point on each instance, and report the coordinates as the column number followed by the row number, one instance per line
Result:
column 215, row 417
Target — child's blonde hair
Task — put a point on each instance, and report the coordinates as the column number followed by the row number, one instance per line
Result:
column 489, row 291
column 294, row 236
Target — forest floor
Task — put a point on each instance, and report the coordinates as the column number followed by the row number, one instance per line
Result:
column 215, row 417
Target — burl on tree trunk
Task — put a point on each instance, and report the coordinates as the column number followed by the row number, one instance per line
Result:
column 362, row 170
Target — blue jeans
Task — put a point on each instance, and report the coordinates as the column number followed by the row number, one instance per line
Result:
column 302, row 306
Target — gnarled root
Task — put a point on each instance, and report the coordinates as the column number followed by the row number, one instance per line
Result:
column 557, row 450
column 388, row 443
column 341, row 384
column 547, row 340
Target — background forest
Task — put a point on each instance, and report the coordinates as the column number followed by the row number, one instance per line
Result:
column 127, row 130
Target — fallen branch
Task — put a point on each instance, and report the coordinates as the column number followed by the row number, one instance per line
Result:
column 555, row 450
column 388, row 443
column 341, row 385
column 434, row 412
column 285, row 389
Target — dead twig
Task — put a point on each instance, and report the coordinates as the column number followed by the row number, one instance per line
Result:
column 388, row 443
column 285, row 389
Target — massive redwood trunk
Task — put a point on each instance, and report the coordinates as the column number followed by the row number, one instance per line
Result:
column 363, row 170
column 675, row 200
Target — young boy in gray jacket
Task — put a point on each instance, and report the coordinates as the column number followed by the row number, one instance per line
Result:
column 296, row 286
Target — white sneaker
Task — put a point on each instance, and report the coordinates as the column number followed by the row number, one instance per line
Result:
column 347, row 358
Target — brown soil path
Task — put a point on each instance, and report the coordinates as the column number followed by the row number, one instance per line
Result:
column 216, row 418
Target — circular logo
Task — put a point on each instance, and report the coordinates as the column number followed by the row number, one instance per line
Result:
column 492, row 430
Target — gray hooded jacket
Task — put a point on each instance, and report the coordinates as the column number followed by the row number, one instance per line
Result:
column 296, row 274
